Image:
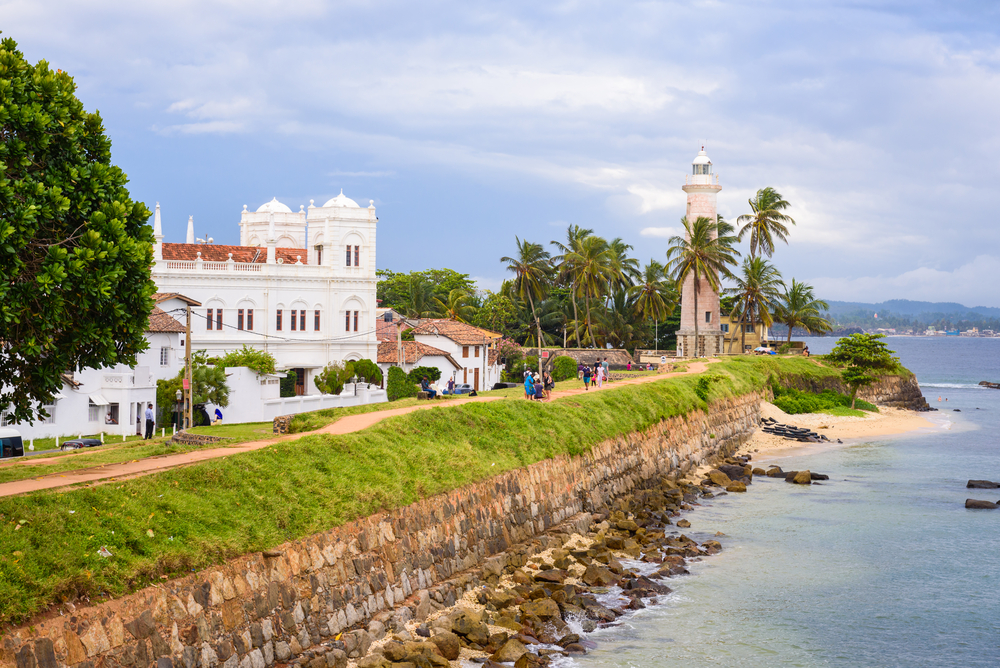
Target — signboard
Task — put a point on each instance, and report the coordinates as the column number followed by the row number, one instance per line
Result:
column 663, row 359
column 545, row 354
column 186, row 386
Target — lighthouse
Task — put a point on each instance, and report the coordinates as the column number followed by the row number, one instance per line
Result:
column 702, row 188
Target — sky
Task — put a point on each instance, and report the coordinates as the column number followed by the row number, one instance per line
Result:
column 472, row 123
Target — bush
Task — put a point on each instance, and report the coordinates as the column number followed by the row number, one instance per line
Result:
column 256, row 360
column 417, row 374
column 794, row 401
column 368, row 370
column 516, row 370
column 399, row 386
column 563, row 368
column 333, row 376
column 288, row 384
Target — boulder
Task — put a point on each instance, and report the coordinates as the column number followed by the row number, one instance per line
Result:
column 543, row 608
column 736, row 486
column 799, row 477
column 718, row 477
column 551, row 575
column 759, row 471
column 447, row 644
column 597, row 576
column 528, row 660
column 736, row 472
column 684, row 524
column 983, row 505
column 775, row 472
column 396, row 651
column 819, row 476
column 511, row 651
column 502, row 599
column 982, row 484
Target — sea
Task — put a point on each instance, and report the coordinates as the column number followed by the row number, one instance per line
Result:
column 879, row 566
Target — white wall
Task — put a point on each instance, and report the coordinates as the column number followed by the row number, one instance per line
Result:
column 438, row 361
column 489, row 375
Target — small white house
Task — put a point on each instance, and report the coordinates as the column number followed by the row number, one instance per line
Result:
column 478, row 361
column 416, row 354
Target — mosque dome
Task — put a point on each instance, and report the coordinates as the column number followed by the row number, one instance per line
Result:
column 341, row 200
column 274, row 206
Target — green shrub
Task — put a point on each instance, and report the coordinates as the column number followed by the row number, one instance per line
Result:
column 794, row 401
column 516, row 370
column 256, row 360
column 287, row 387
column 417, row 374
column 333, row 376
column 563, row 368
column 368, row 370
column 399, row 385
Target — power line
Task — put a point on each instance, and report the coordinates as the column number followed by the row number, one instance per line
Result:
column 270, row 336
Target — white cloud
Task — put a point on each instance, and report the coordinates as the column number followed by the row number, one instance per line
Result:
column 661, row 232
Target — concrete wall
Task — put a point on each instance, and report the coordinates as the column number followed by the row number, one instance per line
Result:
column 262, row 608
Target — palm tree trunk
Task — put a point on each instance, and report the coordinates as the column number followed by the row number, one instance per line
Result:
column 789, row 333
column 696, row 285
column 743, row 336
column 538, row 326
column 576, row 316
column 590, row 330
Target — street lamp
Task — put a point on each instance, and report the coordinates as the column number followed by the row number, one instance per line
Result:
column 179, row 396
column 354, row 380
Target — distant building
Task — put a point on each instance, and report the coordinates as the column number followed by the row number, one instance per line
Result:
column 702, row 189
column 753, row 336
column 471, row 347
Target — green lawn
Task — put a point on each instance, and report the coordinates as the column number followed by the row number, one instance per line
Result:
column 191, row 517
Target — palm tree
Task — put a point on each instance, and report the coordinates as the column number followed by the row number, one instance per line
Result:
column 593, row 265
column 757, row 291
column 655, row 296
column 766, row 221
column 567, row 271
column 456, row 306
column 420, row 297
column 799, row 308
column 698, row 254
column 531, row 271
column 626, row 269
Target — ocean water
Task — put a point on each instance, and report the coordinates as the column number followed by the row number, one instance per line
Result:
column 880, row 566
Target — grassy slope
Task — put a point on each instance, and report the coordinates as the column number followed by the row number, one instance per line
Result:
column 189, row 518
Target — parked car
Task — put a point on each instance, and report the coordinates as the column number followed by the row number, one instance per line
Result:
column 463, row 388
column 10, row 444
column 504, row 386
column 77, row 443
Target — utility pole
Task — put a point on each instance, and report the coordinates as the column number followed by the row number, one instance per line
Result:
column 187, row 371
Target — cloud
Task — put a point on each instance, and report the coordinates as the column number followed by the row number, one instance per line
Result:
column 661, row 232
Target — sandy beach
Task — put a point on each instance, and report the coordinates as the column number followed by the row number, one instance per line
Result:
column 887, row 422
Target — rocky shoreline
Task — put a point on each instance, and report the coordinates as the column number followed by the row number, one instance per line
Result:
column 538, row 601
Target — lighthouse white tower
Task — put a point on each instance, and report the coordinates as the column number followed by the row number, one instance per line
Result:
column 702, row 189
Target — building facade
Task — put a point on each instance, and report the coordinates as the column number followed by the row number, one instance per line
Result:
column 702, row 189
column 301, row 285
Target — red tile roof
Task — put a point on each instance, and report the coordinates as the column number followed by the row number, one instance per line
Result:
column 220, row 253
column 161, row 321
column 459, row 332
column 413, row 352
column 164, row 296
column 386, row 331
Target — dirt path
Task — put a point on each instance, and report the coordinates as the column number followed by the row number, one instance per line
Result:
column 345, row 425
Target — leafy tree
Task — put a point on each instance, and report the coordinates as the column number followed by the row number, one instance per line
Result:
column 368, row 370
column 499, row 314
column 398, row 385
column 75, row 250
column 332, row 378
column 625, row 269
column 595, row 266
column 417, row 374
column 863, row 355
column 208, row 385
column 420, row 296
column 259, row 361
column 563, row 368
column 799, row 308
column 701, row 255
column 757, row 291
column 532, row 270
column 655, row 296
column 766, row 221
column 567, row 270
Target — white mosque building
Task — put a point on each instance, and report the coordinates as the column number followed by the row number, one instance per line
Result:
column 301, row 285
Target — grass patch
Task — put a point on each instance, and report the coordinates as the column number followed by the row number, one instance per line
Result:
column 843, row 411
column 190, row 518
column 794, row 401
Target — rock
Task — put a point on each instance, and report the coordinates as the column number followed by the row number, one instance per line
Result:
column 568, row 639
column 775, row 472
column 423, row 606
column 736, row 486
column 424, row 632
column 799, row 477
column 819, row 476
column 983, row 505
column 543, row 608
column 588, row 625
column 336, row 658
column 528, row 660
column 551, row 575
column 575, row 648
column 718, row 477
column 982, row 484
column 615, row 542
column 512, row 650
column 759, row 471
column 684, row 524
column 597, row 576
column 448, row 645
column 712, row 546
column 502, row 599
column 736, row 472
column 373, row 661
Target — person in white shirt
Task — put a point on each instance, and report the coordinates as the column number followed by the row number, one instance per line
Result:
column 149, row 422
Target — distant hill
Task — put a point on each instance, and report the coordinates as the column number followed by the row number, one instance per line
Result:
column 912, row 309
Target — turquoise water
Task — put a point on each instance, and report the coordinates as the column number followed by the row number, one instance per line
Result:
column 879, row 566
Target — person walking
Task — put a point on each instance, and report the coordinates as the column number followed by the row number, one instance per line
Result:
column 529, row 386
column 604, row 365
column 149, row 422
column 597, row 371
column 586, row 377
column 600, row 376
column 549, row 384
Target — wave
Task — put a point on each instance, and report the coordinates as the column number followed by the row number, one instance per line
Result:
column 956, row 386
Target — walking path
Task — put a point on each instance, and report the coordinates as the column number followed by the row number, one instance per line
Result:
column 345, row 425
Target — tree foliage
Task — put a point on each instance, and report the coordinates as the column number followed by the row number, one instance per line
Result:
column 563, row 368
column 417, row 374
column 332, row 378
column 259, row 361
column 208, row 384
column 75, row 250
column 368, row 370
column 766, row 221
column 800, row 308
column 864, row 356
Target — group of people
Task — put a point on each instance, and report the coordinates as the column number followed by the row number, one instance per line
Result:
column 594, row 376
column 537, row 387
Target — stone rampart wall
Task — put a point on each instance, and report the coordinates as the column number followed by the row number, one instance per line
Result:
column 372, row 573
column 895, row 391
